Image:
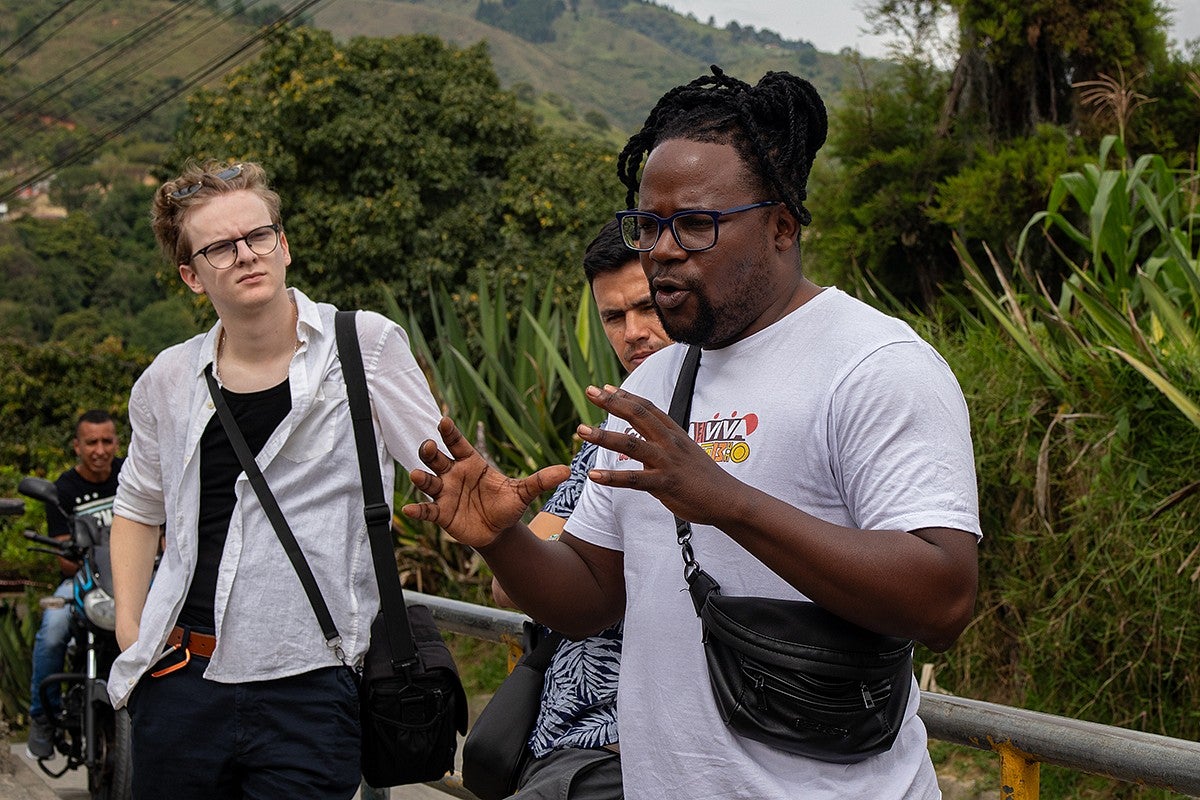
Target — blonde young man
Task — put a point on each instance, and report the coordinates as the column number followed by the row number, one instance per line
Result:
column 231, row 688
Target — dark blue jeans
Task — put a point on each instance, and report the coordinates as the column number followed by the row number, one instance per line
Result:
column 50, row 649
column 295, row 737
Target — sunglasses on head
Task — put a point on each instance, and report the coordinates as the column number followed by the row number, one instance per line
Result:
column 227, row 174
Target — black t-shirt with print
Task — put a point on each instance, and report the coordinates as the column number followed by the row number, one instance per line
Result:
column 76, row 494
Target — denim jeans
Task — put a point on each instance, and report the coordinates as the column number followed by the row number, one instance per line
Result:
column 49, row 650
column 195, row 739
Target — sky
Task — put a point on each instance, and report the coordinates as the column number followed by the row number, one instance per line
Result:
column 834, row 24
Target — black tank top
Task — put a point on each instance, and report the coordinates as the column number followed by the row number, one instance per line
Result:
column 258, row 414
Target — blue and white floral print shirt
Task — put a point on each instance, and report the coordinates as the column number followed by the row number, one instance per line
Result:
column 579, row 697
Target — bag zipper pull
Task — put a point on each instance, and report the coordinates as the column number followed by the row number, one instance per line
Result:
column 866, row 693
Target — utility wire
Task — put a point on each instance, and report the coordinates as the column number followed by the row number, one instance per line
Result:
column 128, row 72
column 20, row 39
column 196, row 77
column 50, row 35
column 122, row 45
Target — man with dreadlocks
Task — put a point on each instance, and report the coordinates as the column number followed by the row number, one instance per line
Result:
column 827, row 457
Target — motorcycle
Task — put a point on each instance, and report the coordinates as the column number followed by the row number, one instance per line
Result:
column 87, row 730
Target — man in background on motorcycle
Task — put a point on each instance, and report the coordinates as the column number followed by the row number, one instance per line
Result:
column 231, row 688
column 88, row 488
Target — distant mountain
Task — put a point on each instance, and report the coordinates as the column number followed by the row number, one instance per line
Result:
column 585, row 63
column 108, row 70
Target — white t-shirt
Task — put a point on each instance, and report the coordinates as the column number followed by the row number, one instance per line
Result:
column 841, row 411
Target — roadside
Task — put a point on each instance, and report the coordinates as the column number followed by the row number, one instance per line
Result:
column 22, row 779
column 18, row 781
column 962, row 773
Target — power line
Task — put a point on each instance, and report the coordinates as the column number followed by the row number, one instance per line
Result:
column 20, row 39
column 121, row 46
column 129, row 71
column 196, row 77
column 50, row 35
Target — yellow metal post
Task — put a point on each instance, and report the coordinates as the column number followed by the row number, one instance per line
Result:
column 1020, row 773
column 514, row 649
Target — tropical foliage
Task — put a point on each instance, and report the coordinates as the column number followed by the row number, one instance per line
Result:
column 1088, row 448
column 513, row 379
column 17, row 628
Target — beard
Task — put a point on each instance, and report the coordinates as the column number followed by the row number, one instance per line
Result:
column 716, row 323
column 699, row 329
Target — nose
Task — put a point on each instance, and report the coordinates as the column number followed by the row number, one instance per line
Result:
column 243, row 251
column 667, row 247
column 637, row 327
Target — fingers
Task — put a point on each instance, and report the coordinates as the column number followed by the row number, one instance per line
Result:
column 455, row 442
column 426, row 482
column 633, row 446
column 543, row 480
column 426, row 512
column 645, row 417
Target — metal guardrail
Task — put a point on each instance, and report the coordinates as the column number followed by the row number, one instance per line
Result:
column 1023, row 739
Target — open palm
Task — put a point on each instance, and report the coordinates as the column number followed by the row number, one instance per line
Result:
column 469, row 499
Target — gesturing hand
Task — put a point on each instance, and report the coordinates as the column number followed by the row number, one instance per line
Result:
column 469, row 500
column 675, row 469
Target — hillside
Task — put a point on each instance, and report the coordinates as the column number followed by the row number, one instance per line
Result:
column 606, row 57
column 96, row 64
column 90, row 78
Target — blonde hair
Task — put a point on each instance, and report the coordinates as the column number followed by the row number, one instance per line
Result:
column 196, row 185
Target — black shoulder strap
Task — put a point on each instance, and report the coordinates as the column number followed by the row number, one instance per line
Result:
column 375, row 509
column 681, row 406
column 271, row 507
column 539, row 656
column 685, row 384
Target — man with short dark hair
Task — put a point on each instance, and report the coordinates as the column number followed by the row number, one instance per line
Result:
column 232, row 688
column 826, row 458
column 574, row 742
column 88, row 488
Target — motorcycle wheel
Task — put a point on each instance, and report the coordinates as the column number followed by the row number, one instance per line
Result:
column 111, row 778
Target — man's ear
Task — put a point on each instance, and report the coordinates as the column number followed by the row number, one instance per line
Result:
column 190, row 277
column 786, row 230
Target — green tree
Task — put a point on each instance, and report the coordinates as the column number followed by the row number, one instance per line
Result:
column 874, row 187
column 1018, row 59
column 532, row 20
column 401, row 163
column 52, row 266
column 921, row 154
column 43, row 390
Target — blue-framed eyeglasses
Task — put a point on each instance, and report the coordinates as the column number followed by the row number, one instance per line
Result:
column 227, row 174
column 223, row 254
column 694, row 229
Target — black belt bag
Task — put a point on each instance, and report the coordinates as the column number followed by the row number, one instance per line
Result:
column 787, row 672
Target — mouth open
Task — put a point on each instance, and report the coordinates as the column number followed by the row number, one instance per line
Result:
column 668, row 294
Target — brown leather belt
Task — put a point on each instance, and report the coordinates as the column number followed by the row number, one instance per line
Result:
column 198, row 644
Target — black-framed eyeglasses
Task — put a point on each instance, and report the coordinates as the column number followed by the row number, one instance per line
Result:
column 227, row 174
column 694, row 229
column 223, row 254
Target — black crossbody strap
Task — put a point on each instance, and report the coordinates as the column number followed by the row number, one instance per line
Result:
column 685, row 384
column 267, row 500
column 540, row 656
column 681, row 407
column 375, row 509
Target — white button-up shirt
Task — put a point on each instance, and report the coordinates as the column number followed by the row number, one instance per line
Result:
column 265, row 625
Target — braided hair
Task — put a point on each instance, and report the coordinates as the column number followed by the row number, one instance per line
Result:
column 776, row 127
